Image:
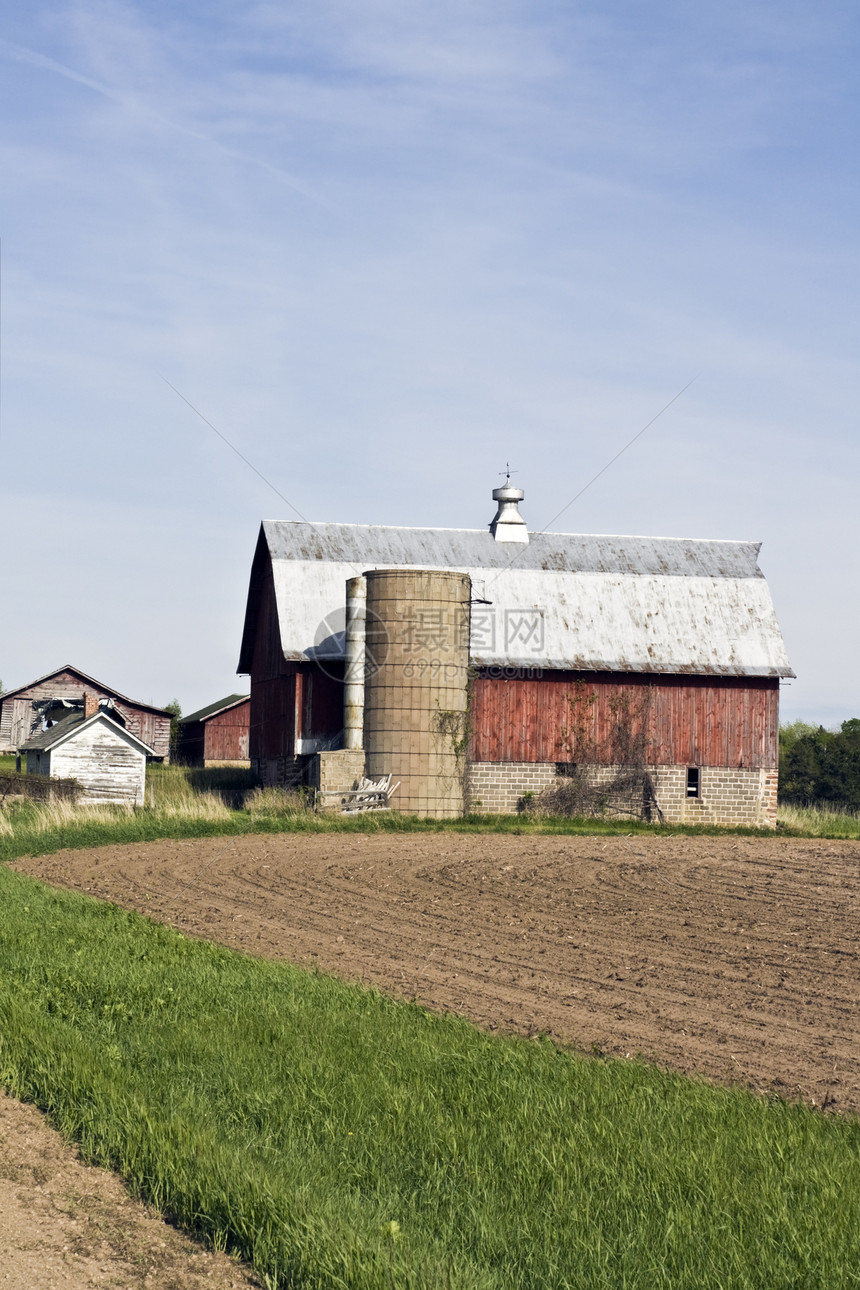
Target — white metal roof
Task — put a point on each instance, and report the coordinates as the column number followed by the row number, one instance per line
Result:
column 571, row 601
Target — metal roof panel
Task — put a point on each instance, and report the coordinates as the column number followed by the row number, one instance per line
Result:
column 571, row 601
column 366, row 545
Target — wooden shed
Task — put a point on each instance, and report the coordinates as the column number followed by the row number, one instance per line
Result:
column 216, row 735
column 22, row 711
column 108, row 761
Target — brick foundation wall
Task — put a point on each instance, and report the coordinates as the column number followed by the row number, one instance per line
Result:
column 727, row 795
column 495, row 788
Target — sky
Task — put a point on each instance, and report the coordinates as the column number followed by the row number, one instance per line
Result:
column 385, row 247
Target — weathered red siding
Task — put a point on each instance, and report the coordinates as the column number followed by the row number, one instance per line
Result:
column 694, row 721
column 226, row 734
column 273, row 685
column 152, row 728
column 222, row 737
column 322, row 714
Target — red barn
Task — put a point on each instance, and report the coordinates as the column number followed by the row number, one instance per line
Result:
column 583, row 650
column 216, row 735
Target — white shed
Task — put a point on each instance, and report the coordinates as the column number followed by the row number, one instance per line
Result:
column 107, row 761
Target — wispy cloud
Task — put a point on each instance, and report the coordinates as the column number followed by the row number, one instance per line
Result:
column 137, row 106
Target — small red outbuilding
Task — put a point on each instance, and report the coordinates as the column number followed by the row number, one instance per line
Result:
column 216, row 735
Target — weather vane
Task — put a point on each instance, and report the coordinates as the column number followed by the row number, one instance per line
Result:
column 507, row 472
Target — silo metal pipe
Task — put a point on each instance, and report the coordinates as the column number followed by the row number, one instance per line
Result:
column 353, row 689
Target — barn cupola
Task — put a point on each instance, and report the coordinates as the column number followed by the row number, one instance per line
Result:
column 507, row 525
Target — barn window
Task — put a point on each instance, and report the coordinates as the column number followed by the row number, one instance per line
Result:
column 693, row 781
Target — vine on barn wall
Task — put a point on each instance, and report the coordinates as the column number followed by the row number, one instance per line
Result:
column 614, row 775
column 457, row 727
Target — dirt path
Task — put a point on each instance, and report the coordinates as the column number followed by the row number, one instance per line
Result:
column 67, row 1225
column 735, row 958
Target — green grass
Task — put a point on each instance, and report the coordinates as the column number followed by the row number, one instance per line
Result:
column 183, row 802
column 175, row 782
column 335, row 1138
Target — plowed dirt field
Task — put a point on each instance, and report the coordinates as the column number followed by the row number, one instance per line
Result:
column 733, row 958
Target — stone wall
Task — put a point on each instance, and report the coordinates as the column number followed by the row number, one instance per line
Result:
column 726, row 795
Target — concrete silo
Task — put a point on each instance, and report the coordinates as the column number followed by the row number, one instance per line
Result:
column 416, row 686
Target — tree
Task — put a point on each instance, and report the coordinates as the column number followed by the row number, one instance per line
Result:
column 794, row 730
column 175, row 710
column 818, row 765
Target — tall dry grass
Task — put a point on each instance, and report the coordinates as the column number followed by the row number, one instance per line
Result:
column 172, row 796
column 177, row 800
column 277, row 802
column 820, row 820
column 180, row 801
column 175, row 788
column 43, row 817
column 168, row 797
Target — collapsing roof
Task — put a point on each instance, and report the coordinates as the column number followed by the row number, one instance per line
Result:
column 88, row 680
column 563, row 601
column 49, row 707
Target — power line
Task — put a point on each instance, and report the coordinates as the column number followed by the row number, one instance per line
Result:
column 356, row 570
column 239, row 454
column 600, row 472
column 618, row 454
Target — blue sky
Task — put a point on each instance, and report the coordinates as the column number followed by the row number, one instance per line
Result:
column 384, row 247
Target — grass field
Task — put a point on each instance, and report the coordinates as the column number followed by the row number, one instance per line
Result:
column 183, row 802
column 335, row 1138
